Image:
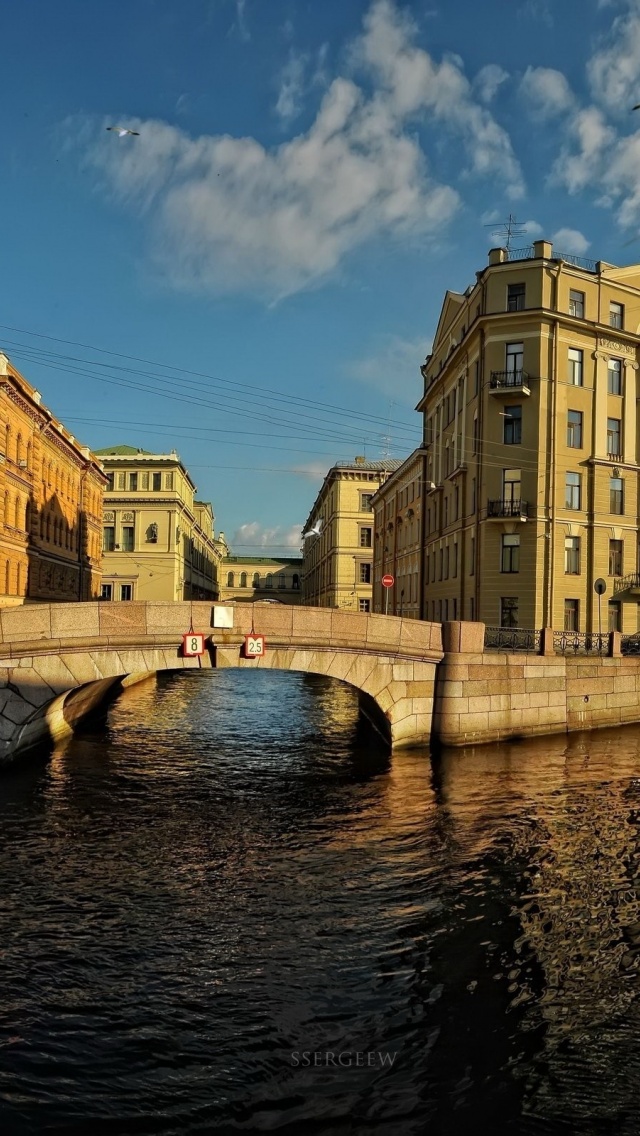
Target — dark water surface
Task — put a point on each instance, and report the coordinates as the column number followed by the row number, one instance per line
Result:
column 226, row 879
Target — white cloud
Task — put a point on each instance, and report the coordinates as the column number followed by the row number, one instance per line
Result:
column 614, row 70
column 488, row 80
column 393, row 367
column 585, row 163
column 292, row 86
column 314, row 471
column 226, row 214
column 546, row 92
column 241, row 22
column 255, row 537
column 570, row 241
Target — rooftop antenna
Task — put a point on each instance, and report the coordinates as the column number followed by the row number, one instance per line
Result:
column 386, row 438
column 508, row 230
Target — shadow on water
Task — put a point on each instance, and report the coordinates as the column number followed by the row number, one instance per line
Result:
column 213, row 904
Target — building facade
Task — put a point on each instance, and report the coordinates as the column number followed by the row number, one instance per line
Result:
column 398, row 539
column 158, row 541
column 531, row 434
column 251, row 578
column 338, row 560
column 51, row 490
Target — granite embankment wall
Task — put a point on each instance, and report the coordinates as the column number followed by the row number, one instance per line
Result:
column 485, row 696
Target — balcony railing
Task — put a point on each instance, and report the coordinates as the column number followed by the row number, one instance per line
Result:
column 508, row 508
column 614, row 457
column 580, row 643
column 509, row 380
column 512, row 639
column 625, row 583
column 528, row 253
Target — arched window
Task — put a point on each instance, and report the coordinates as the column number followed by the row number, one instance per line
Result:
column 256, row 580
column 27, row 517
column 243, row 580
column 7, row 578
column 230, row 580
column 19, row 580
column 296, row 581
column 29, row 455
column 49, row 527
column 269, row 580
column 42, row 526
column 19, row 453
column 16, row 513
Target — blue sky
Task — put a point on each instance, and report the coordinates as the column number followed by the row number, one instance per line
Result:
column 256, row 278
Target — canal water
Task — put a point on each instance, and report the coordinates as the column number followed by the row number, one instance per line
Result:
column 228, row 910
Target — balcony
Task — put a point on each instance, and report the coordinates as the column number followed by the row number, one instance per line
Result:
column 627, row 587
column 509, row 382
column 516, row 510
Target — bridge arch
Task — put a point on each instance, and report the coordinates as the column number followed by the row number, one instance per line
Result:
column 58, row 662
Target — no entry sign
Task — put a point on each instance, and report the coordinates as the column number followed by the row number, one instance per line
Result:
column 388, row 581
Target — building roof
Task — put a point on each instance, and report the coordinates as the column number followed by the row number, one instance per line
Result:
column 385, row 465
column 121, row 451
column 295, row 560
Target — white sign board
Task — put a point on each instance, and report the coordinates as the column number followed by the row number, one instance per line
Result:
column 223, row 617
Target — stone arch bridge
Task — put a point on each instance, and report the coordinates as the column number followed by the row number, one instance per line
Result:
column 60, row 662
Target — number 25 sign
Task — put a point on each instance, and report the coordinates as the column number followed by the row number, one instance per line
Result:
column 254, row 646
column 192, row 644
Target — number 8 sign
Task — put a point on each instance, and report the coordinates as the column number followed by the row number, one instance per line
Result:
column 192, row 644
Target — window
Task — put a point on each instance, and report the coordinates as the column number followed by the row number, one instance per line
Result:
column 472, row 557
column 475, row 433
column 108, row 538
column 616, row 315
column 365, row 538
column 455, row 560
column 473, row 495
column 515, row 297
column 126, row 591
column 614, row 438
column 511, row 485
column 269, row 580
column 243, row 579
column 509, row 611
column 514, row 358
column 110, row 482
column 365, row 573
column 576, row 304
column 106, row 592
column 230, row 580
column 512, row 425
column 574, row 429
column 615, row 616
column 575, row 367
column 365, row 502
column 616, row 495
column 157, row 482
column 510, row 560
column 572, row 555
column 476, row 378
column 472, row 609
column 127, row 538
column 573, row 491
column 296, row 582
column 572, row 615
column 133, row 482
column 282, row 582
column 256, row 580
column 615, row 557
column 364, row 605
column 614, row 376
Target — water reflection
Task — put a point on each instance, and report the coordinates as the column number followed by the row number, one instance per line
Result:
column 232, row 874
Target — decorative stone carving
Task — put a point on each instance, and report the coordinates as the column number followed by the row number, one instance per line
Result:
column 109, row 518
column 616, row 346
column 127, row 517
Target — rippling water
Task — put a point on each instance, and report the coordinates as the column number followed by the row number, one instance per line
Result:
column 209, row 909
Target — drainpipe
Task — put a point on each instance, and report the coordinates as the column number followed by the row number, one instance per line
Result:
column 422, row 533
column 551, row 490
column 478, row 457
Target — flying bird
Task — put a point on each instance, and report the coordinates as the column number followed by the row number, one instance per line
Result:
column 122, row 130
column 636, row 107
column 315, row 531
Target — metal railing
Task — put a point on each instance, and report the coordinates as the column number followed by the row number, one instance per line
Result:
column 580, row 643
column 513, row 639
column 630, row 645
column 508, row 508
column 528, row 253
column 508, row 380
column 624, row 583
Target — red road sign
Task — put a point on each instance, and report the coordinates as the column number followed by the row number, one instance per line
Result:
column 388, row 581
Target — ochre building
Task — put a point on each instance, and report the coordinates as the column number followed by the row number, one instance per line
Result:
column 532, row 445
column 338, row 563
column 51, row 491
column 251, row 578
column 398, row 540
column 158, row 541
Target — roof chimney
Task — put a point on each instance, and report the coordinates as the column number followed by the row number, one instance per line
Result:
column 360, row 460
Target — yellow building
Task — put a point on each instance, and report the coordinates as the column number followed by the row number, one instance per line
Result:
column 158, row 541
column 51, row 498
column 338, row 560
column 398, row 539
column 531, row 430
column 251, row 578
